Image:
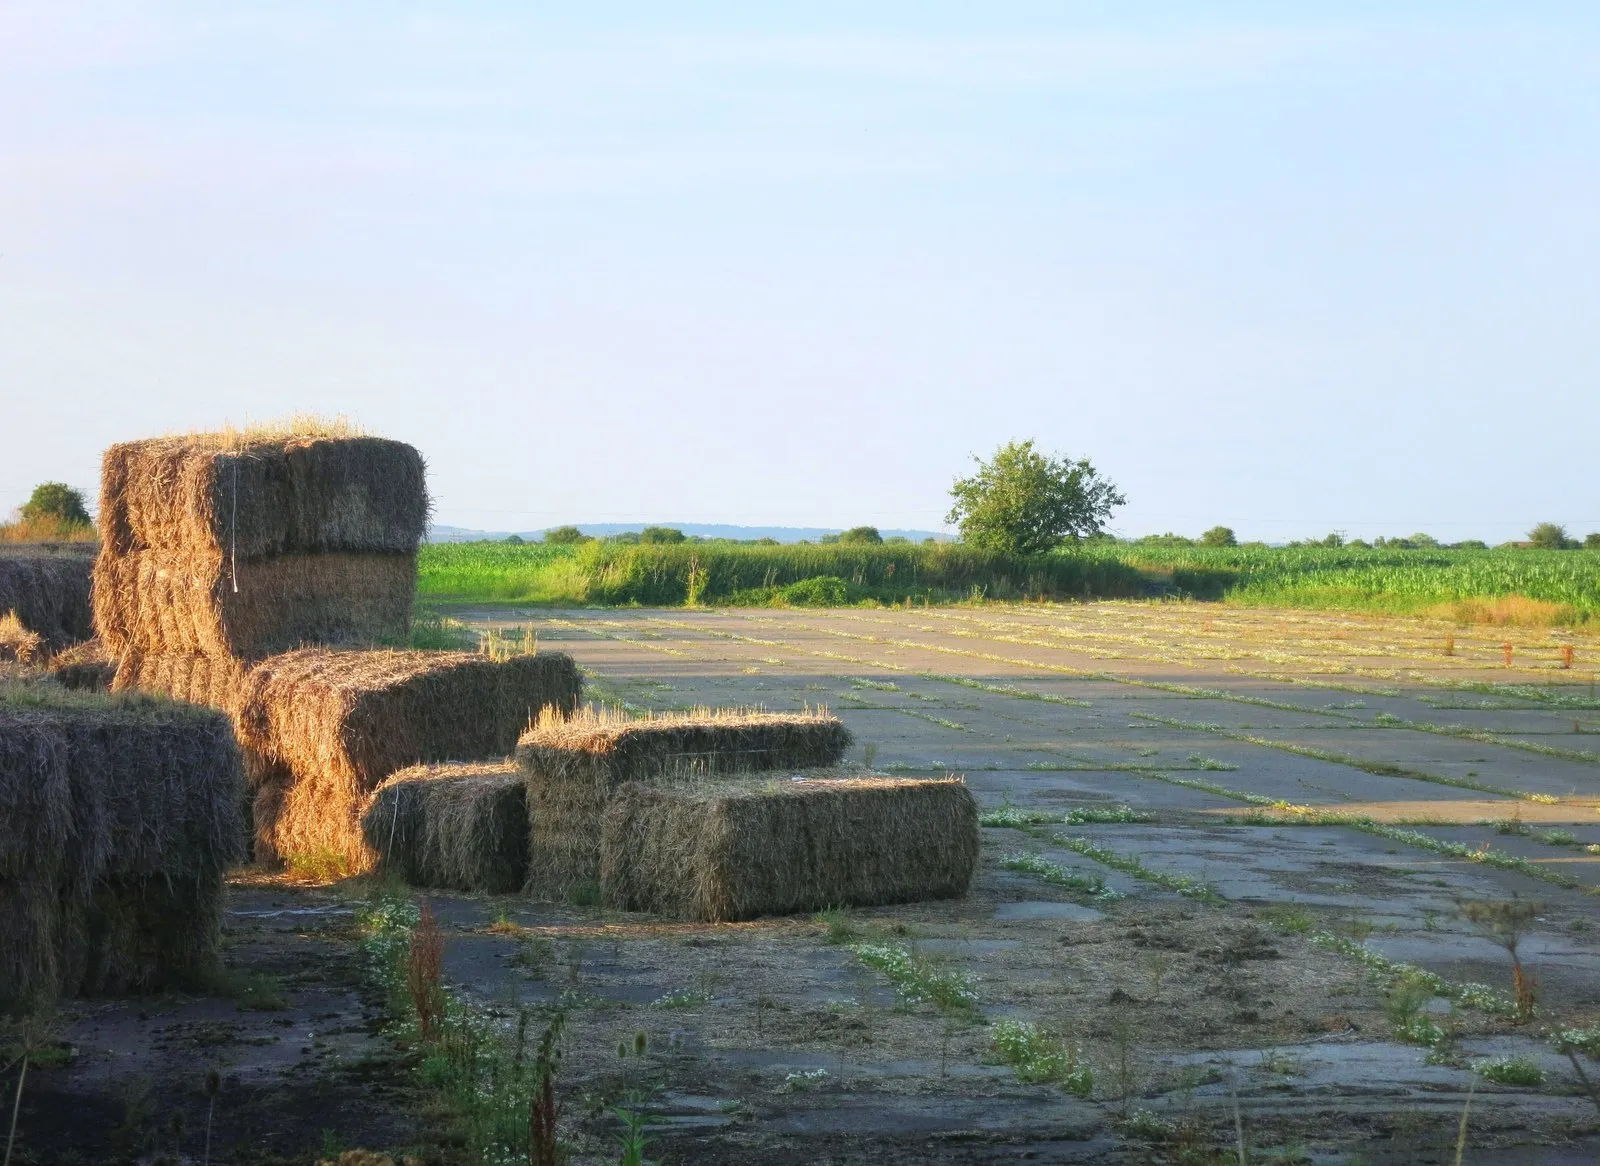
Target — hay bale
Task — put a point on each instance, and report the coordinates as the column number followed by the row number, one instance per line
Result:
column 256, row 496
column 87, row 667
column 338, row 722
column 214, row 681
column 716, row 852
column 461, row 826
column 118, row 818
column 49, row 592
column 574, row 766
column 202, row 601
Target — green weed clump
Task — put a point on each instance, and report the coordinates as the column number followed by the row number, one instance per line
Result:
column 1084, row 883
column 1192, row 888
column 917, row 981
column 1040, row 1057
column 1510, row 1071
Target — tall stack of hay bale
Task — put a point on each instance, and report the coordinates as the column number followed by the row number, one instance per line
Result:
column 118, row 817
column 263, row 575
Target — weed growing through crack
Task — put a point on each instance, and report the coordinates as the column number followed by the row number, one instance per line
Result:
column 1088, row 884
column 1183, row 884
column 1405, row 1004
column 803, row 1080
column 1040, row 1057
column 1510, row 1071
column 1506, row 921
column 917, row 981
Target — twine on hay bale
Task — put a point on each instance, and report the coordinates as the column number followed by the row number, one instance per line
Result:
column 461, row 826
column 246, row 544
column 331, row 725
column 118, row 817
column 573, row 767
column 717, row 852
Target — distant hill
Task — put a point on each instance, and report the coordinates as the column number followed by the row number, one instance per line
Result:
column 441, row 533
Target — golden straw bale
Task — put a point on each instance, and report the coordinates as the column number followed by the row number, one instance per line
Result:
column 49, row 592
column 725, row 851
column 201, row 601
column 339, row 722
column 215, row 681
column 118, row 817
column 460, row 825
column 574, row 766
column 254, row 496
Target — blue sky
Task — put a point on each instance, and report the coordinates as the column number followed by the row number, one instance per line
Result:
column 1291, row 268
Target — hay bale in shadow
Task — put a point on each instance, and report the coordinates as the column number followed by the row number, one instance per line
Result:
column 87, row 667
column 336, row 723
column 189, row 601
column 575, row 766
column 461, row 826
column 49, row 592
column 720, row 851
column 118, row 818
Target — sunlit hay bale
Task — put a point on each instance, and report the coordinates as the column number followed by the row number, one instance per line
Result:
column 717, row 851
column 18, row 645
column 49, row 593
column 118, row 818
column 339, row 722
column 86, row 666
column 199, row 601
column 251, row 543
column 461, row 825
column 257, row 494
column 574, row 766
column 215, row 681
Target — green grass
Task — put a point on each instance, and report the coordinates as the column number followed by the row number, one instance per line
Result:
column 918, row 981
column 1510, row 1071
column 1501, row 585
column 1040, row 1057
column 1083, row 883
column 1183, row 884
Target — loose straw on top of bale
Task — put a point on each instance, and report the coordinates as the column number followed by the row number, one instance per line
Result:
column 460, row 825
column 574, row 765
column 86, row 666
column 200, row 600
column 718, row 852
column 254, row 495
column 336, row 723
column 118, row 817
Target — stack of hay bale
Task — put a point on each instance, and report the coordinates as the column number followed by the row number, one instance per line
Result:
column 118, row 817
column 725, row 814
column 45, row 595
column 255, row 574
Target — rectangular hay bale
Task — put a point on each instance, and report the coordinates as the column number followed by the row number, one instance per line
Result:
column 254, row 497
column 337, row 723
column 574, row 766
column 118, row 819
column 201, row 601
column 721, row 853
column 461, row 826
column 49, row 592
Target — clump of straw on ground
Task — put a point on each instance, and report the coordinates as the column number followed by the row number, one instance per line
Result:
column 715, row 852
column 461, row 826
column 575, row 765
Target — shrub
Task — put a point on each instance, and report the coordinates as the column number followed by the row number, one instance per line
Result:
column 1549, row 536
column 1591, row 541
column 565, row 536
column 1219, row 536
column 861, row 534
column 662, row 534
column 818, row 591
column 58, row 501
column 1023, row 502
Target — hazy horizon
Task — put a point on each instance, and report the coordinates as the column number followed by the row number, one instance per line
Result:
column 1291, row 271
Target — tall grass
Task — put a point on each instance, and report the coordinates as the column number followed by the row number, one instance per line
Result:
column 1507, row 586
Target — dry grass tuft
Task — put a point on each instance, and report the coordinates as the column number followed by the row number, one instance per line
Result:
column 460, row 825
column 118, row 817
column 729, row 851
column 46, row 530
column 1506, row 611
column 575, row 765
column 18, row 645
column 86, row 666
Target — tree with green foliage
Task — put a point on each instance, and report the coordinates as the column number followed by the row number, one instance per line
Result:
column 1549, row 536
column 1024, row 502
column 662, row 534
column 565, row 536
column 56, row 501
column 1219, row 536
column 1591, row 541
column 860, row 534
